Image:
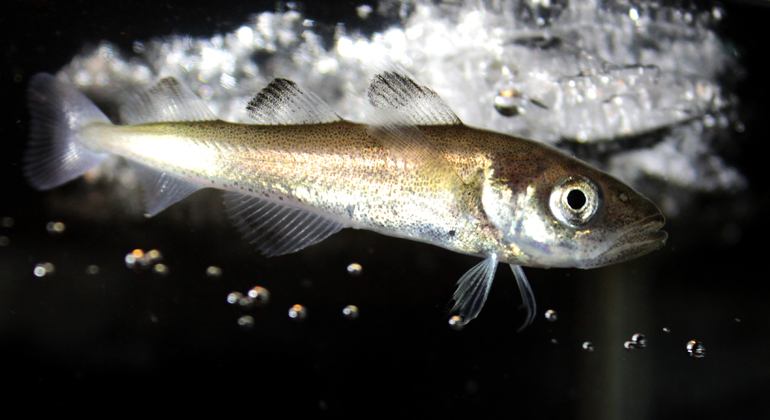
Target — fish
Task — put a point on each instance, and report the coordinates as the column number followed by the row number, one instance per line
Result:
column 301, row 173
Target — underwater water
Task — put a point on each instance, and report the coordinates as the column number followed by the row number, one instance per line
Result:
column 357, row 323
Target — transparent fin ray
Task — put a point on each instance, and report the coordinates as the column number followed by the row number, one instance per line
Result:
column 283, row 102
column 398, row 93
column 277, row 229
column 526, row 295
column 167, row 100
column 161, row 190
column 57, row 112
column 473, row 289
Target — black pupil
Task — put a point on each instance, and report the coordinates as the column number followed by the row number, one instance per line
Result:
column 576, row 199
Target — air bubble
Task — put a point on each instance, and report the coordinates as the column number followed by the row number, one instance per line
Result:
column 139, row 259
column 245, row 302
column 355, row 269
column 259, row 295
column 639, row 340
column 666, row 330
column 43, row 269
column 508, row 103
column 350, row 312
column 246, row 322
column 629, row 345
column 551, row 315
column 297, row 313
column 456, row 323
column 160, row 269
column 696, row 349
column 4, row 241
column 234, row 297
column 6, row 222
column 92, row 269
column 588, row 346
column 55, row 228
column 214, row 272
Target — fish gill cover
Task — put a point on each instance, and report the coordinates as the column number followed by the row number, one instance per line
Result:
column 638, row 89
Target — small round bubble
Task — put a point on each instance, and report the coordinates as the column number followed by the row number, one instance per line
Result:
column 246, row 322
column 214, row 272
column 551, row 315
column 588, row 346
column 629, row 345
column 507, row 103
column 350, row 312
column 6, row 222
column 245, row 302
column 154, row 255
column 456, row 323
column 640, row 341
column 666, row 330
column 297, row 312
column 355, row 269
column 259, row 295
column 4, row 241
column 92, row 269
column 696, row 349
column 160, row 269
column 234, row 297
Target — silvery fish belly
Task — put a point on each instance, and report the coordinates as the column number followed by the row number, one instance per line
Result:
column 302, row 173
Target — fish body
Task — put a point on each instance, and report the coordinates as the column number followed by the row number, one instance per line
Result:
column 302, row 173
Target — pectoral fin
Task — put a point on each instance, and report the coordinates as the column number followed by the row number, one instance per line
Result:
column 473, row 288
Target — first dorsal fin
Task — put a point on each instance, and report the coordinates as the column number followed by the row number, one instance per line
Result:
column 283, row 102
column 168, row 100
column 397, row 93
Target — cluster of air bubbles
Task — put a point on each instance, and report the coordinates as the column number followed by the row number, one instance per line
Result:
column 140, row 261
column 638, row 341
column 214, row 272
column 298, row 313
column 551, row 315
column 92, row 269
column 588, row 346
column 456, row 322
column 355, row 269
column 55, row 228
column 350, row 312
column 696, row 349
column 43, row 269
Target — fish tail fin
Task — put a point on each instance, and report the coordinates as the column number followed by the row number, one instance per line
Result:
column 58, row 112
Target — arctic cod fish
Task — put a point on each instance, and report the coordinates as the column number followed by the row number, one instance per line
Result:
column 302, row 173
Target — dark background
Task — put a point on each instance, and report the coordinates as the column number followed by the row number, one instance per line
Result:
column 134, row 340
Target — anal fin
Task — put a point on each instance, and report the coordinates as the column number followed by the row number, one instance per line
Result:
column 277, row 229
column 161, row 190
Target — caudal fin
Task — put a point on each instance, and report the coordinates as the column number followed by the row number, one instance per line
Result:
column 58, row 111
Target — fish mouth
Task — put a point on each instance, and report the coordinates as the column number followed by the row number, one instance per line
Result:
column 639, row 238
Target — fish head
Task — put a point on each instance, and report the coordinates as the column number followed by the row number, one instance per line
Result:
column 555, row 211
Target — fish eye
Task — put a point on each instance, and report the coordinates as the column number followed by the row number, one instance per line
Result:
column 575, row 200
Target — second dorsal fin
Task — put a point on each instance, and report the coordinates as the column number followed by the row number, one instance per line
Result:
column 168, row 100
column 283, row 102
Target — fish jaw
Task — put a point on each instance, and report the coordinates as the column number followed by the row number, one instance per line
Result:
column 638, row 239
